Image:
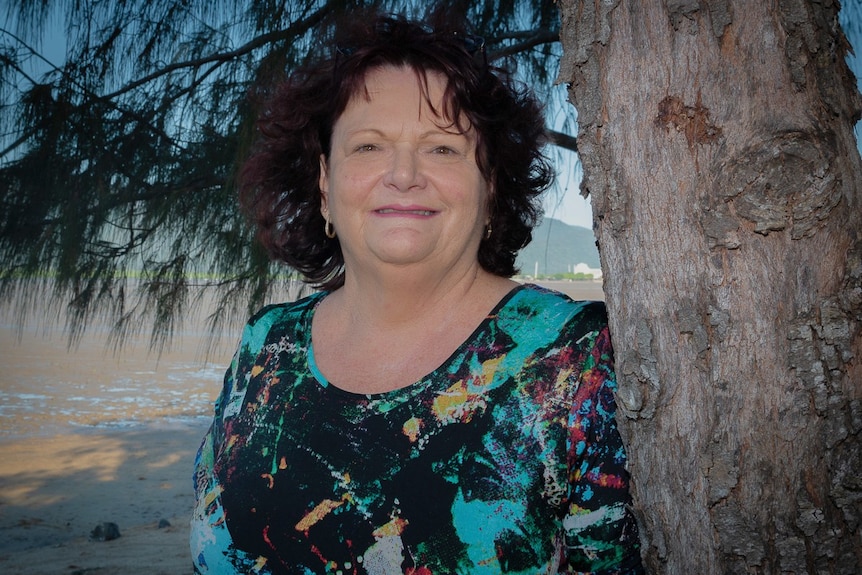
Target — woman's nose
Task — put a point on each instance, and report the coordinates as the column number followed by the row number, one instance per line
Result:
column 405, row 171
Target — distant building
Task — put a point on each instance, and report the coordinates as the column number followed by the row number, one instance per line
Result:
column 583, row 268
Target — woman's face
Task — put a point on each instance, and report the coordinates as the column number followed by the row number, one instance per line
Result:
column 399, row 189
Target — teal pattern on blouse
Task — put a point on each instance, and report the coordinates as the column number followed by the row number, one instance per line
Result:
column 505, row 459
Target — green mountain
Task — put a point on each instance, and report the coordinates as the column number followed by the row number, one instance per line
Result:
column 558, row 248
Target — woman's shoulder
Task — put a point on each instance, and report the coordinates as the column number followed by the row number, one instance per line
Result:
column 533, row 299
column 278, row 310
column 290, row 314
column 535, row 316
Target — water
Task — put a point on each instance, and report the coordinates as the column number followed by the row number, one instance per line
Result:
column 46, row 389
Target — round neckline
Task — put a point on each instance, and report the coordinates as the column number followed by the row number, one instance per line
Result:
column 335, row 389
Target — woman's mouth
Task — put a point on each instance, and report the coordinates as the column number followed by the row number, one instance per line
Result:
column 405, row 212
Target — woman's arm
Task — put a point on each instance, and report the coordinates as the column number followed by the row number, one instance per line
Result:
column 212, row 547
column 601, row 535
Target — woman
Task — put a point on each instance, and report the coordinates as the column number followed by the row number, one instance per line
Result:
column 423, row 413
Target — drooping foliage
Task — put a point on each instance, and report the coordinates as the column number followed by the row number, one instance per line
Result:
column 118, row 156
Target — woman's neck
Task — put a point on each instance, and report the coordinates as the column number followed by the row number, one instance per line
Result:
column 411, row 298
column 379, row 336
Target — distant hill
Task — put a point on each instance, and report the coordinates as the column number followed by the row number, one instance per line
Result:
column 558, row 247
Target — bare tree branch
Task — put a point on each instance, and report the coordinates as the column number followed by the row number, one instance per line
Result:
column 563, row 140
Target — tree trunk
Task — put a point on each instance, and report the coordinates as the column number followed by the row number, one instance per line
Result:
column 717, row 145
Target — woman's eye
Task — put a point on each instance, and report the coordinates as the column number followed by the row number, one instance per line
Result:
column 366, row 148
column 443, row 150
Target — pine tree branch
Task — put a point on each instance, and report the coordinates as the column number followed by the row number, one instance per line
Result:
column 286, row 34
column 563, row 140
column 531, row 40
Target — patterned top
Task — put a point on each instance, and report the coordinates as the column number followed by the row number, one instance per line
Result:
column 505, row 459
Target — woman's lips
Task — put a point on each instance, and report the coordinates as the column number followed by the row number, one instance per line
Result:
column 419, row 212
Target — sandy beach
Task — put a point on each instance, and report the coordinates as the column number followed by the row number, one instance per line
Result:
column 55, row 490
column 87, row 437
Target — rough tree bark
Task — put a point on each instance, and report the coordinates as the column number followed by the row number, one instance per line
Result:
column 717, row 145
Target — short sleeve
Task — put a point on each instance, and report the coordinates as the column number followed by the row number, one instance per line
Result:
column 600, row 532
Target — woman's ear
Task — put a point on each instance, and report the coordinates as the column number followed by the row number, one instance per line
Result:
column 490, row 198
column 323, row 184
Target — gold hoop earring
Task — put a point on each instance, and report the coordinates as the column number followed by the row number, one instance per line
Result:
column 329, row 230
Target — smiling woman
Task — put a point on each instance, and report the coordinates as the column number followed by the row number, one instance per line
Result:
column 423, row 413
column 402, row 186
column 403, row 191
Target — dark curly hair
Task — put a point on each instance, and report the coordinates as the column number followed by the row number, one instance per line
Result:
column 279, row 181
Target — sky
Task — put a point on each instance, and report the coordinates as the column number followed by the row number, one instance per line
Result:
column 571, row 208
column 564, row 201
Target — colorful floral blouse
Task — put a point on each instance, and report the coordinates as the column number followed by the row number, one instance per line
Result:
column 505, row 459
